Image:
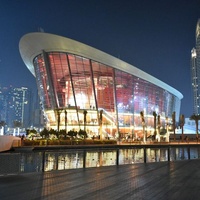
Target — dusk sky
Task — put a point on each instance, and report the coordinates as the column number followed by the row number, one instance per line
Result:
column 155, row 36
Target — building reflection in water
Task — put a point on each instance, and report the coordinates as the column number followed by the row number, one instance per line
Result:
column 100, row 158
column 72, row 159
column 130, row 156
column 194, row 153
column 180, row 153
column 31, row 162
column 63, row 160
column 156, row 155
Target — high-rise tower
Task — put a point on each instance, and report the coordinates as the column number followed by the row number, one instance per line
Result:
column 195, row 71
column 18, row 106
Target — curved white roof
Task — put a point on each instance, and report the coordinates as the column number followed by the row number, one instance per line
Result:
column 33, row 44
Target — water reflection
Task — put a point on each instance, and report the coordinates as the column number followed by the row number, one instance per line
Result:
column 156, row 155
column 100, row 158
column 130, row 156
column 31, row 162
column 72, row 159
column 180, row 153
column 63, row 160
column 194, row 153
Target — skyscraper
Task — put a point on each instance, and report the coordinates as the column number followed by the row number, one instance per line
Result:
column 195, row 71
column 15, row 106
column 4, row 104
column 21, row 106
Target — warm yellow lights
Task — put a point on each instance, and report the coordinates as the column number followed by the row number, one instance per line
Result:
column 193, row 53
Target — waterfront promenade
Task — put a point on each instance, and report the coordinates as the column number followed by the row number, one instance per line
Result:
column 178, row 180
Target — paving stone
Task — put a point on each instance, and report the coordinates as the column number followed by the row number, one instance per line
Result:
column 178, row 180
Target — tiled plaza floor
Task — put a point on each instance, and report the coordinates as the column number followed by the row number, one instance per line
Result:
column 165, row 180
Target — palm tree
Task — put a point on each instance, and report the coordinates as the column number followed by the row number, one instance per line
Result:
column 167, row 129
column 72, row 134
column 182, row 122
column 44, row 133
column 82, row 133
column 84, row 119
column 174, row 123
column 154, row 124
column 58, row 112
column 158, row 122
column 196, row 118
column 143, row 125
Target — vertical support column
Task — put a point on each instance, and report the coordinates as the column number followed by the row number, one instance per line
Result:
column 56, row 157
column 84, row 158
column 145, row 155
column 43, row 161
column 73, row 90
column 117, row 157
column 188, row 153
column 53, row 96
column 115, row 103
column 93, row 85
column 168, row 154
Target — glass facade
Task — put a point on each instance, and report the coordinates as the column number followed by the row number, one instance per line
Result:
column 71, row 85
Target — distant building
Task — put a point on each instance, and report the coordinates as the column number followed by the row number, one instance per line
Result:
column 15, row 106
column 81, row 87
column 21, row 106
column 195, row 71
column 4, row 104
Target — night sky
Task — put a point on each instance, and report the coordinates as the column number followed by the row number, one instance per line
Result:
column 155, row 36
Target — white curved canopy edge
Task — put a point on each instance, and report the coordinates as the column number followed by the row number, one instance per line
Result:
column 33, row 44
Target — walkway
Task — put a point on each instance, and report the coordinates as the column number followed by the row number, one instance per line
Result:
column 165, row 180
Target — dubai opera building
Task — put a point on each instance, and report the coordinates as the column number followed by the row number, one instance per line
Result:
column 81, row 87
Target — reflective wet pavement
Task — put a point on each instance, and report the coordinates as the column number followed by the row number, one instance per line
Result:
column 163, row 180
